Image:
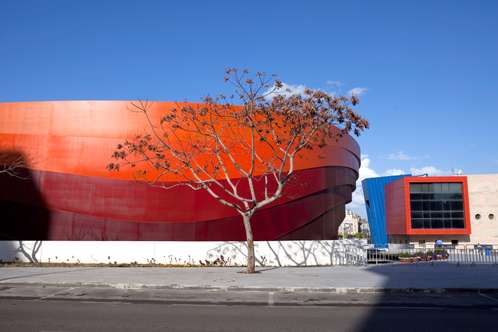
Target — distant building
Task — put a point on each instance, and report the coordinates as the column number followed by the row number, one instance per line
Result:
column 352, row 224
column 419, row 210
column 364, row 227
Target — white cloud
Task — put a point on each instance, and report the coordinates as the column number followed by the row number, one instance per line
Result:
column 429, row 170
column 402, row 156
column 434, row 171
column 357, row 203
column 365, row 170
column 357, row 91
column 394, row 171
column 336, row 84
column 288, row 90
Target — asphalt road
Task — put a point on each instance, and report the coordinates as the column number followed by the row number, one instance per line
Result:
column 39, row 315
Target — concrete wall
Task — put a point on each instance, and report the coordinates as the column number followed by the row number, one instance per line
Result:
column 268, row 253
column 483, row 200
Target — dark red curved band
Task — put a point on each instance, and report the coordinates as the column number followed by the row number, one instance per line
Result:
column 67, row 194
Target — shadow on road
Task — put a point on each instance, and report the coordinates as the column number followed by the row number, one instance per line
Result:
column 415, row 280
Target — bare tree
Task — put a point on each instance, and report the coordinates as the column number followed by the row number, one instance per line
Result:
column 208, row 145
column 30, row 253
column 12, row 163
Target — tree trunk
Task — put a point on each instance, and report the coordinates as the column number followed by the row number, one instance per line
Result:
column 30, row 257
column 251, row 261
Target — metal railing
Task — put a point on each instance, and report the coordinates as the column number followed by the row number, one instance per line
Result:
column 450, row 255
column 473, row 256
column 375, row 256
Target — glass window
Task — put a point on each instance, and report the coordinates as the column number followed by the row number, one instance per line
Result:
column 414, row 188
column 437, row 215
column 417, row 197
column 455, row 187
column 437, row 188
column 437, row 205
column 447, row 223
column 427, row 223
column 417, row 223
column 437, row 223
column 416, row 205
column 417, row 214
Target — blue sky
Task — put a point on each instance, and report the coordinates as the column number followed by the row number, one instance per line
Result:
column 428, row 69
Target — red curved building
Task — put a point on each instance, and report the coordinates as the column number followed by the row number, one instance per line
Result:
column 66, row 193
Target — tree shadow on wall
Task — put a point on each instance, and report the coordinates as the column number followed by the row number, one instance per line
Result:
column 24, row 214
column 291, row 253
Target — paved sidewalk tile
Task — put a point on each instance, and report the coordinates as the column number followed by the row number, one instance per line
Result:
column 409, row 276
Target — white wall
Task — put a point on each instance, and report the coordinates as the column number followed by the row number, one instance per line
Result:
column 274, row 253
column 483, row 200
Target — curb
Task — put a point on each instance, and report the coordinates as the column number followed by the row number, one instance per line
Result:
column 332, row 297
column 385, row 304
column 331, row 290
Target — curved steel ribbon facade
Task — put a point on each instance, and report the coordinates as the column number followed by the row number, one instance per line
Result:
column 67, row 194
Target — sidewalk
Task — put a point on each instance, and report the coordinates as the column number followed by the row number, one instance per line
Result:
column 375, row 277
column 414, row 284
